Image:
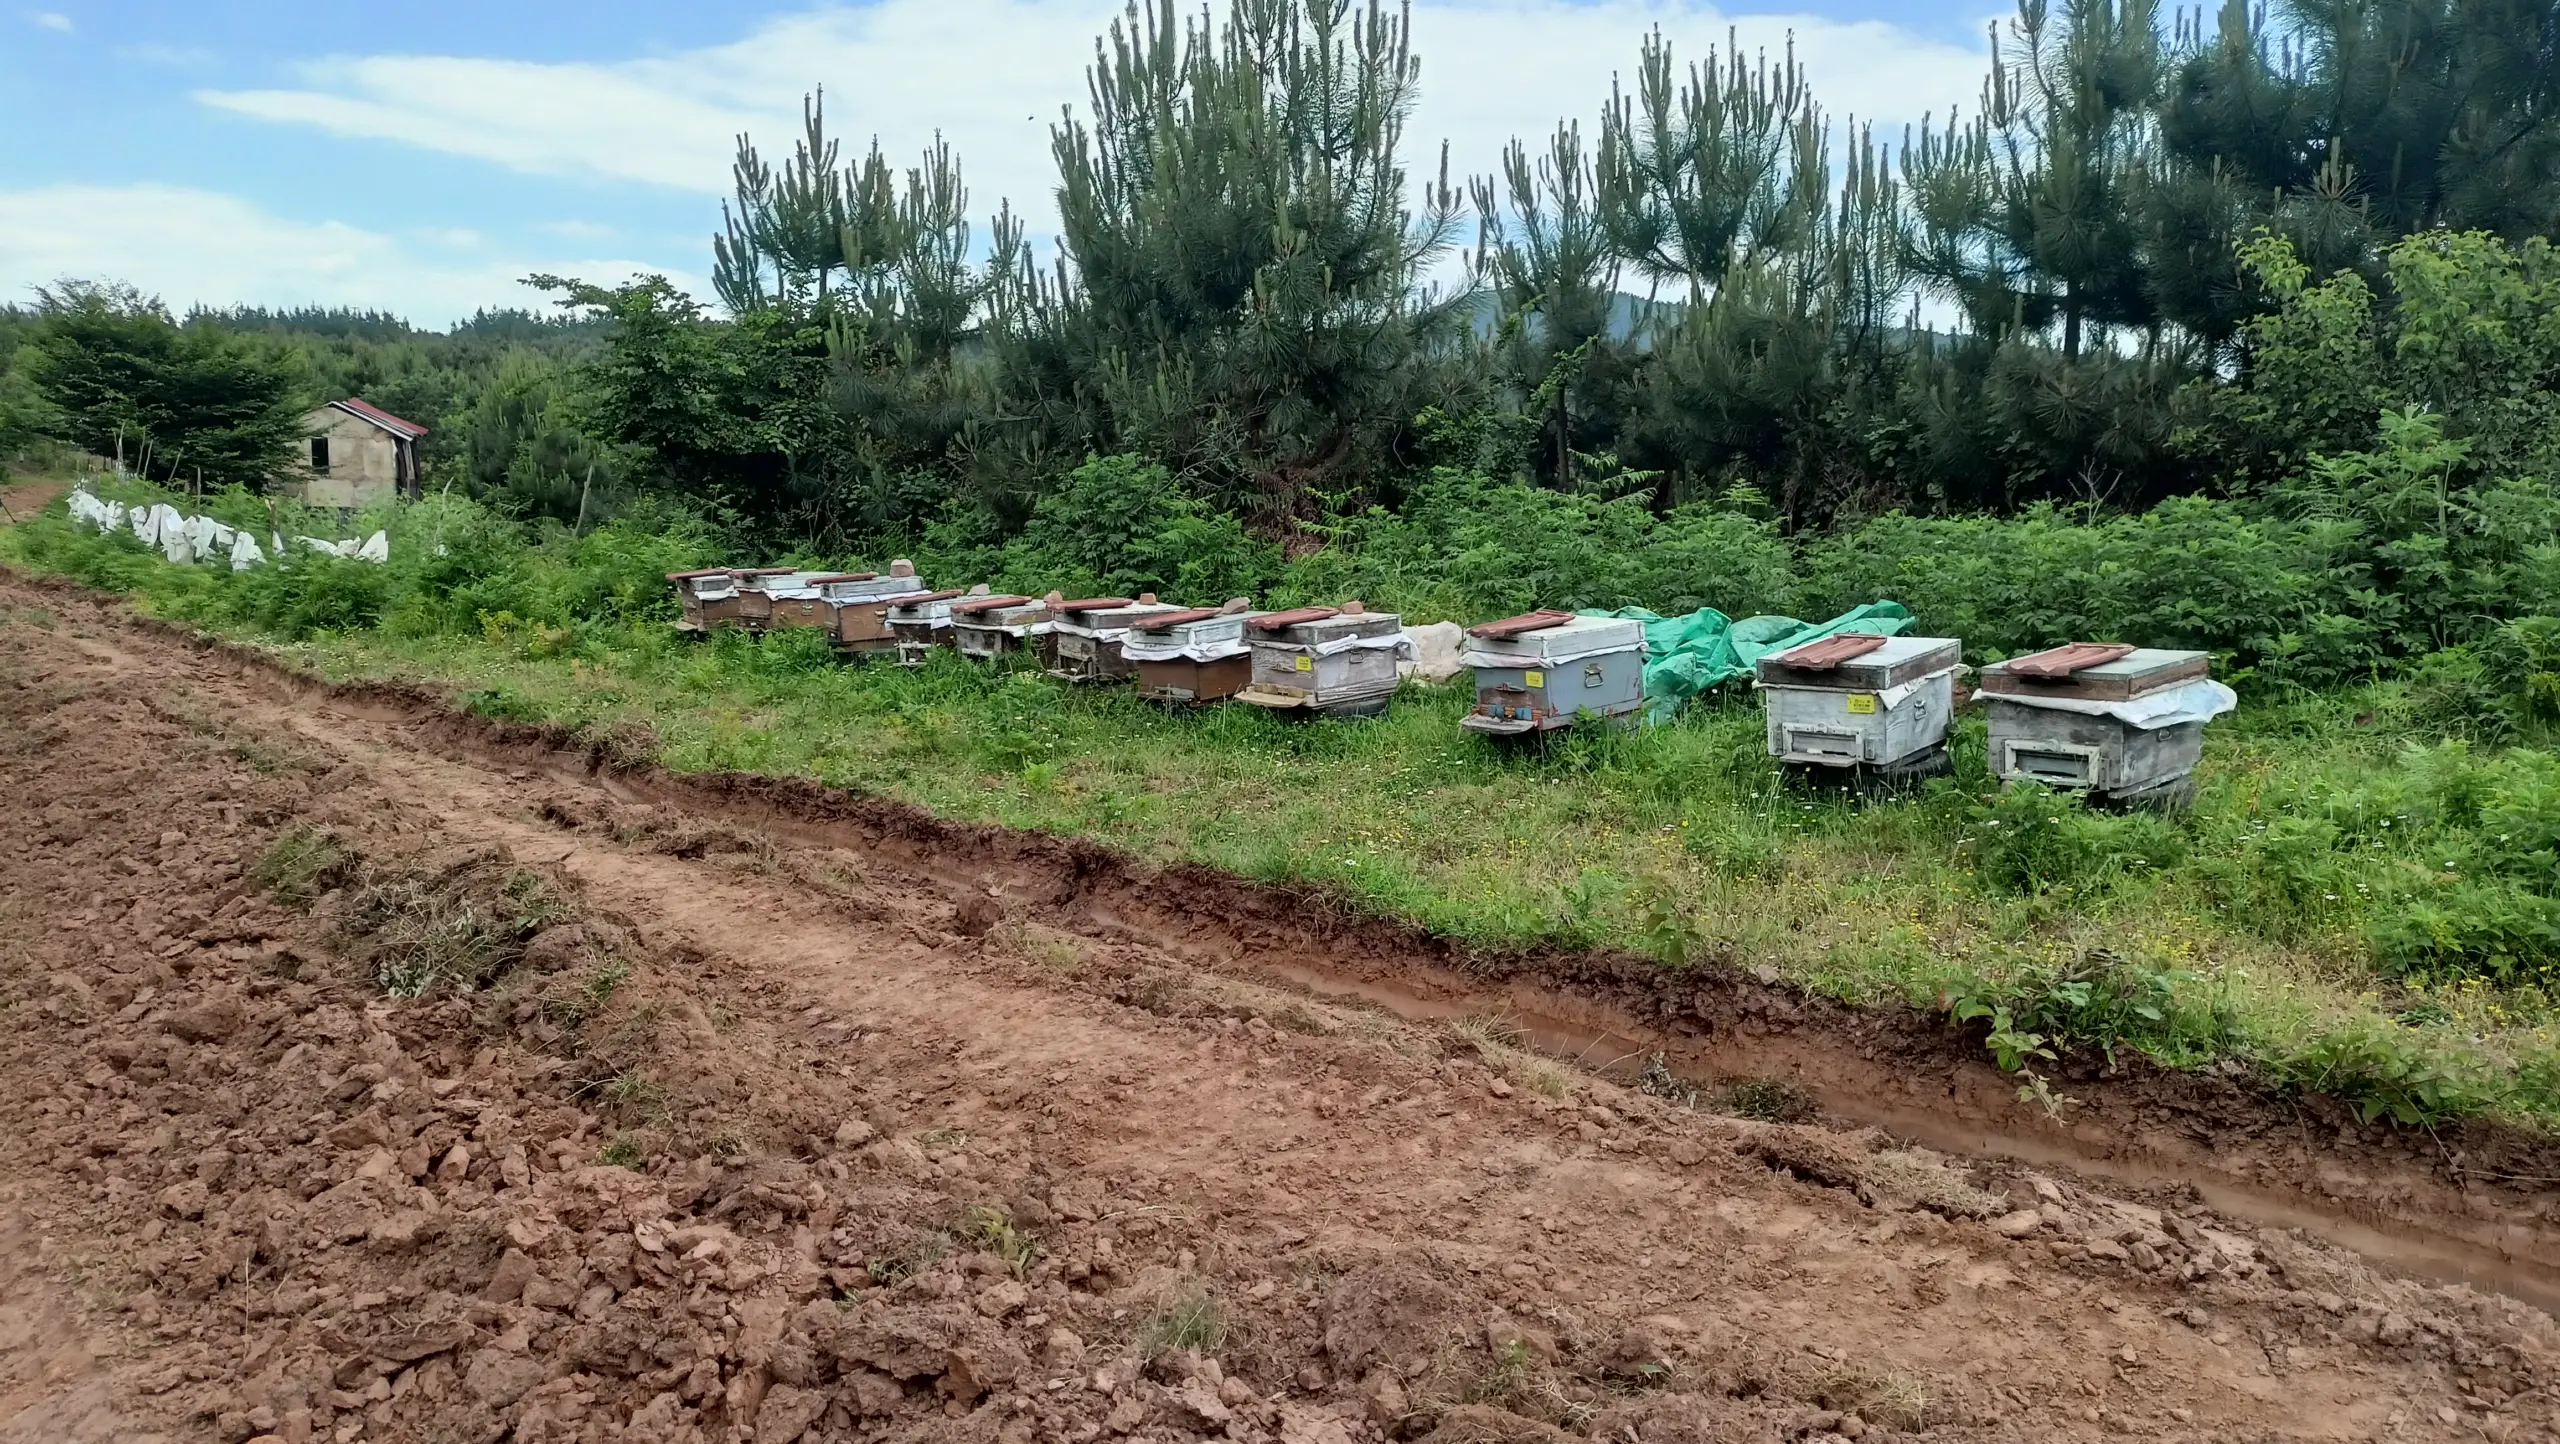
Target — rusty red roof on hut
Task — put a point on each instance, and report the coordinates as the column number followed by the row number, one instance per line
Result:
column 367, row 411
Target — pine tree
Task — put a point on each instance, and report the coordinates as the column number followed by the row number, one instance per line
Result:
column 1242, row 285
column 1553, row 278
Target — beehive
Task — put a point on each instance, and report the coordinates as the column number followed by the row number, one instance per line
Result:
column 2123, row 724
column 759, row 587
column 1545, row 670
column 984, row 627
column 1324, row 659
column 1878, row 705
column 1194, row 655
column 920, row 623
column 709, row 598
column 860, row 604
column 1085, row 637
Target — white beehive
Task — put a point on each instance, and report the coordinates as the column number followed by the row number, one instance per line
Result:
column 984, row 627
column 1324, row 659
column 1545, row 670
column 1880, row 704
column 2123, row 724
column 922, row 622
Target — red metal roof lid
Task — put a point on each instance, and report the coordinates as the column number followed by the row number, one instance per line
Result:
column 1830, row 652
column 975, row 605
column 1167, row 621
column 1276, row 621
column 2063, row 661
column 844, row 577
column 367, row 411
column 1091, row 604
column 1526, row 622
column 762, row 571
column 918, row 599
column 705, row 572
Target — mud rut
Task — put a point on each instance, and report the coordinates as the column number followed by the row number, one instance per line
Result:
column 943, row 1132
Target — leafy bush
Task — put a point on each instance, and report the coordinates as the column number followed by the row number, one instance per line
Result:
column 2106, row 1002
column 1120, row 525
column 2029, row 839
column 2385, row 1072
column 2502, row 934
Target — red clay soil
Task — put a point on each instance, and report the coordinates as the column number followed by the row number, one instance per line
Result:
column 26, row 498
column 736, row 1111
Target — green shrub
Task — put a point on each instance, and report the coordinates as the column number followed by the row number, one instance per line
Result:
column 1120, row 525
column 2384, row 1071
column 2106, row 1002
column 2029, row 839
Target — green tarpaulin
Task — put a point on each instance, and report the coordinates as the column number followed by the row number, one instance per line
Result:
column 1684, row 656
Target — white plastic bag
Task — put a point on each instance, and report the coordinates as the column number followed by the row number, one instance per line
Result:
column 171, row 528
column 245, row 553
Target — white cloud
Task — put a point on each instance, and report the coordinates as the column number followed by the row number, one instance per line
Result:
column 169, row 57
column 992, row 75
column 53, row 20
column 198, row 247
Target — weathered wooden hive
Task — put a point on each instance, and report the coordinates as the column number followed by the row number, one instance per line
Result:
column 2123, row 724
column 1194, row 654
column 762, row 591
column 1544, row 670
column 985, row 627
column 860, row 603
column 1340, row 660
column 922, row 622
column 709, row 598
column 1084, row 638
column 1857, row 702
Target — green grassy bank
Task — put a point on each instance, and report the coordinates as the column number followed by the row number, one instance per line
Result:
column 2357, row 904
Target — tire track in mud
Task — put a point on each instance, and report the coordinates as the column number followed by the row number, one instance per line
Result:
column 1367, row 1187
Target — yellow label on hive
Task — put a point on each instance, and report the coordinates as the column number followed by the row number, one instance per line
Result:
column 1537, row 679
column 1862, row 703
column 1304, row 663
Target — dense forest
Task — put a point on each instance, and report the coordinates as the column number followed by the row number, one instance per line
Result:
column 2270, row 292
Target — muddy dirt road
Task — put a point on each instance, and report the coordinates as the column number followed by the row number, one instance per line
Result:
column 707, row 1128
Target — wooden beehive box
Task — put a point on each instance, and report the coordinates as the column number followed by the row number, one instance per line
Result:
column 1085, row 641
column 985, row 627
column 1324, row 659
column 1859, row 701
column 920, row 623
column 1191, row 655
column 757, row 587
column 709, row 598
column 1544, row 670
column 861, row 603
column 2123, row 724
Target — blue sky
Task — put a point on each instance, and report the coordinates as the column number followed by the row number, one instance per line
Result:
column 421, row 158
